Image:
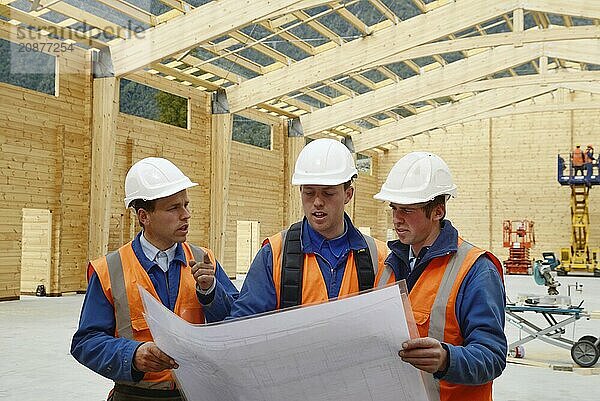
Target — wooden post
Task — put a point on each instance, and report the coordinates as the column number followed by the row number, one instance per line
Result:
column 105, row 109
column 219, row 181
column 54, row 287
column 518, row 26
column 293, row 203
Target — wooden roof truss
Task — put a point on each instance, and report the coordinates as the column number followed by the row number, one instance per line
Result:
column 380, row 76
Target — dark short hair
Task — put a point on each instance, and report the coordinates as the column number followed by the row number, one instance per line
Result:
column 147, row 205
column 429, row 206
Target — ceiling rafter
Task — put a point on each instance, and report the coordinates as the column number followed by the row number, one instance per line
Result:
column 406, row 91
column 444, row 115
column 492, row 40
column 201, row 24
column 380, row 44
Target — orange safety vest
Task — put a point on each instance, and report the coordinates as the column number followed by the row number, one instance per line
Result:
column 577, row 157
column 313, row 285
column 120, row 273
column 433, row 300
column 586, row 155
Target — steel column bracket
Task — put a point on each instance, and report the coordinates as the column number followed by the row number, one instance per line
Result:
column 295, row 128
column 102, row 64
column 220, row 104
column 347, row 141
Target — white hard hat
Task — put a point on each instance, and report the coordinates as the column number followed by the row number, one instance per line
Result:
column 324, row 162
column 153, row 178
column 416, row 178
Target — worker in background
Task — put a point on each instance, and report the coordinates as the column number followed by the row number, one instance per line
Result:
column 324, row 256
column 577, row 160
column 455, row 289
column 588, row 160
column 113, row 338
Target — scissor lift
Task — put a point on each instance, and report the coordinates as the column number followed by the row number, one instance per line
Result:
column 579, row 257
column 518, row 236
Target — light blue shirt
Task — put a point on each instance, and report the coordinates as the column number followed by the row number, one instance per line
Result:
column 152, row 253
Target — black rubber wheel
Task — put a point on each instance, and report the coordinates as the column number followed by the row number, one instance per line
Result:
column 585, row 353
column 561, row 272
column 591, row 339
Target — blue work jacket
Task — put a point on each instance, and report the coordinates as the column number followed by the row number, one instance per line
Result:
column 479, row 309
column 94, row 343
column 258, row 292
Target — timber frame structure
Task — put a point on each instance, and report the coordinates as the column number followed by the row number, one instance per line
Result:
column 382, row 81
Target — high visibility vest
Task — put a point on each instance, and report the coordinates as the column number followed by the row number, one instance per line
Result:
column 314, row 289
column 577, row 157
column 433, row 300
column 588, row 156
column 120, row 272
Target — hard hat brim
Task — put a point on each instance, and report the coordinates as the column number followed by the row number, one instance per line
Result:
column 172, row 190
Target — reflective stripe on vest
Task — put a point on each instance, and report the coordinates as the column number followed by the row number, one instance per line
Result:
column 121, row 303
column 433, row 300
column 113, row 279
column 437, row 318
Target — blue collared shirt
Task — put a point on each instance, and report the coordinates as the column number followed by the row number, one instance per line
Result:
column 258, row 292
column 94, row 343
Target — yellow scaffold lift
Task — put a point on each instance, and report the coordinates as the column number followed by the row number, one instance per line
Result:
column 579, row 257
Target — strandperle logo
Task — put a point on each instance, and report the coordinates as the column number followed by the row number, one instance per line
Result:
column 41, row 33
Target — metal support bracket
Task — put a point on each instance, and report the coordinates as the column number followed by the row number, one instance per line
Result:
column 102, row 64
column 220, row 105
column 295, row 128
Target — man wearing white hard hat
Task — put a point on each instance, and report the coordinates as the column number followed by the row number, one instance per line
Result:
column 456, row 289
column 113, row 338
column 322, row 257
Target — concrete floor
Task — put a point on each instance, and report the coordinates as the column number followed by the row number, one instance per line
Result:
column 35, row 335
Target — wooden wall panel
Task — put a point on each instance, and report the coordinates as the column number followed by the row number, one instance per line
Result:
column 44, row 164
column 367, row 209
column 187, row 148
column 36, row 250
column 256, row 191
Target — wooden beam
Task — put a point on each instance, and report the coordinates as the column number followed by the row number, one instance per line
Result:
column 293, row 203
column 578, row 8
column 355, row 21
column 377, row 46
column 585, row 50
column 383, row 9
column 182, row 76
column 104, row 117
column 419, row 86
column 444, row 115
column 219, row 181
column 522, row 80
column 166, row 85
column 493, row 40
column 583, row 86
column 555, row 106
column 202, row 24
column 293, row 39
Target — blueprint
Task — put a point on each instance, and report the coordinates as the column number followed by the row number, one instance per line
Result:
column 341, row 350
